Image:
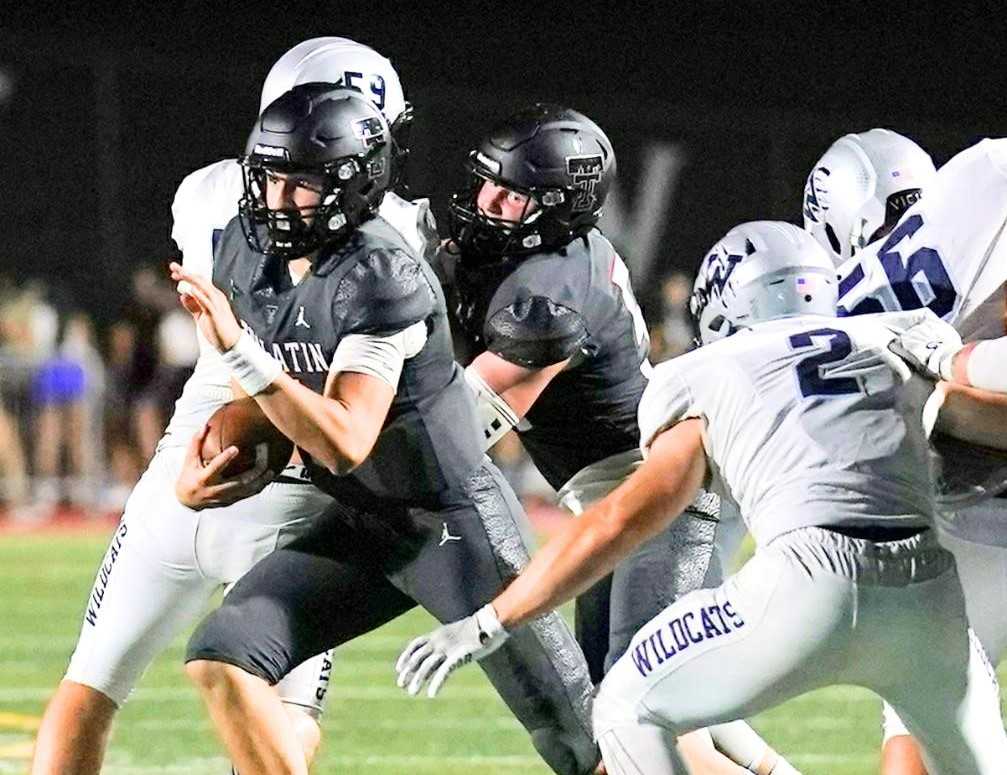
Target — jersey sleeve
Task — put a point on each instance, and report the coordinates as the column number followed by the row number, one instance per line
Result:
column 535, row 332
column 385, row 292
column 667, row 400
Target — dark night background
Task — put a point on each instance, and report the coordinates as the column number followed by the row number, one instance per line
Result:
column 107, row 109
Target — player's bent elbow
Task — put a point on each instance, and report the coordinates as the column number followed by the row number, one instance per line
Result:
column 344, row 459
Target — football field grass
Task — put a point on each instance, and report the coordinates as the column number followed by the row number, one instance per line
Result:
column 371, row 727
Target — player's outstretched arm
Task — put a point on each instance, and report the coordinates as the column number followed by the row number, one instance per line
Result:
column 585, row 550
column 933, row 348
column 589, row 547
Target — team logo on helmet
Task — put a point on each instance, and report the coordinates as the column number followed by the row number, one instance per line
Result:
column 715, row 272
column 370, row 131
column 815, row 194
column 586, row 172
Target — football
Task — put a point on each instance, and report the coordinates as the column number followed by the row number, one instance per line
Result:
column 243, row 424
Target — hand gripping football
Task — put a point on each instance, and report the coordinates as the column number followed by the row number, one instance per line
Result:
column 243, row 424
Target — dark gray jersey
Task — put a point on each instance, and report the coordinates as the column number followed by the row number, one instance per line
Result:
column 373, row 284
column 571, row 303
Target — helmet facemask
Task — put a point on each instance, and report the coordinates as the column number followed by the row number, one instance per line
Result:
column 401, row 131
column 558, row 158
column 480, row 234
column 345, row 188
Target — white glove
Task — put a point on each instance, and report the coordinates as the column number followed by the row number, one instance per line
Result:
column 447, row 648
column 928, row 347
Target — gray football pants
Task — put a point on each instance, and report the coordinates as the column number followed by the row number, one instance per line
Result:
column 813, row 608
column 372, row 560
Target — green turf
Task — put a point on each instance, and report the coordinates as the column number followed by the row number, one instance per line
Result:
column 370, row 727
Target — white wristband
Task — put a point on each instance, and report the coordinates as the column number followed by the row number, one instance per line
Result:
column 495, row 416
column 252, row 367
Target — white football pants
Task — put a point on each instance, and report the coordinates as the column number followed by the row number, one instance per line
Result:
column 813, row 608
column 982, row 568
column 165, row 562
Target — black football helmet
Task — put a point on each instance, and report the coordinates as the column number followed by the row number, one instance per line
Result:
column 340, row 142
column 556, row 156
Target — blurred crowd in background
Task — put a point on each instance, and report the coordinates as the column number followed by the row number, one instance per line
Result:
column 82, row 406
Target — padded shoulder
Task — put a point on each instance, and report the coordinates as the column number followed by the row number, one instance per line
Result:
column 385, row 291
column 535, row 332
column 667, row 399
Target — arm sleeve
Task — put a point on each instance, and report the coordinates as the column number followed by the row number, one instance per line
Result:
column 535, row 332
column 379, row 356
column 666, row 401
column 987, row 365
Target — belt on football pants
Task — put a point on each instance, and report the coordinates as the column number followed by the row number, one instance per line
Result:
column 294, row 474
column 879, row 534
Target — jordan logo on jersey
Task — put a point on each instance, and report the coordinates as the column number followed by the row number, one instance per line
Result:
column 300, row 319
column 446, row 536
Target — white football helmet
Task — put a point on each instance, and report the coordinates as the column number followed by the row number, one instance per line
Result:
column 340, row 61
column 760, row 271
column 859, row 189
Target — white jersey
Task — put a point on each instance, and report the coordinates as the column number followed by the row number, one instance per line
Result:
column 948, row 252
column 205, row 202
column 810, row 421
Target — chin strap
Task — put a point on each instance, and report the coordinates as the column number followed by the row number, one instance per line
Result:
column 495, row 416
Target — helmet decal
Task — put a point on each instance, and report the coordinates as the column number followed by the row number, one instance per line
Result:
column 586, row 172
column 370, row 131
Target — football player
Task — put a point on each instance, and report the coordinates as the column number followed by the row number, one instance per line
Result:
column 944, row 254
column 168, row 557
column 814, row 428
column 545, row 300
column 344, row 343
column 858, row 190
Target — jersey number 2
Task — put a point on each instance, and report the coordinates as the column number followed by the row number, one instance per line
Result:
column 809, row 370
